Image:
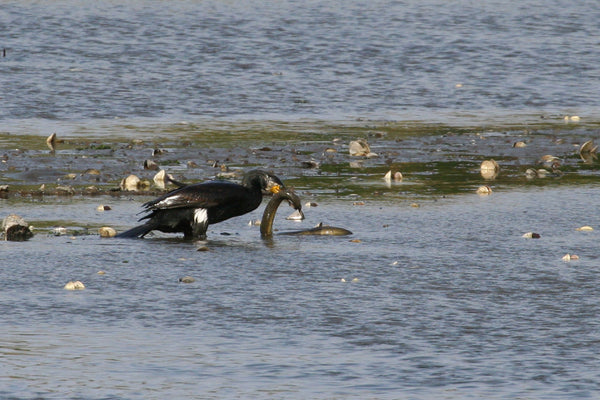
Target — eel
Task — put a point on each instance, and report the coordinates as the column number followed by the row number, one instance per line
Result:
column 266, row 224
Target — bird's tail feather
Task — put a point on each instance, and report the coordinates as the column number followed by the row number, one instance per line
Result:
column 136, row 232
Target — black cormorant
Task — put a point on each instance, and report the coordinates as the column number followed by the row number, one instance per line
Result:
column 191, row 208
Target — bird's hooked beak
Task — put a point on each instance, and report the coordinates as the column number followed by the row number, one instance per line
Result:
column 275, row 188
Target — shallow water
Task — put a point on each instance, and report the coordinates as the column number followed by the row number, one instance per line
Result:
column 435, row 295
column 450, row 302
column 322, row 60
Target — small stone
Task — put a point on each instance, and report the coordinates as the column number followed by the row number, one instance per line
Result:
column 519, row 144
column 102, row 207
column 309, row 204
column 202, row 248
column 187, row 279
column 531, row 235
column 101, row 272
column 74, row 285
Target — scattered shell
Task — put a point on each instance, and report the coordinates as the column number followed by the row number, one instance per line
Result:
column 359, row 148
column 330, row 150
column 342, row 280
column 91, row 171
column 107, row 232
column 396, row 176
column 187, row 279
column 358, row 203
column 355, row 241
column 309, row 164
column 415, row 205
column 202, row 248
column 51, row 142
column 161, row 179
column 254, row 222
column 65, row 190
column 587, row 151
column 131, row 183
column 74, row 285
column 531, row 235
column 548, row 159
column 191, row 164
column 309, row 204
column 355, row 280
column 92, row 190
column 70, row 176
column 59, row 231
column 585, row 228
column 489, row 169
column 568, row 257
column 572, row 118
column 484, row 190
column 151, row 165
column 519, row 144
column 102, row 207
column 101, row 272
column 530, row 173
column 295, row 216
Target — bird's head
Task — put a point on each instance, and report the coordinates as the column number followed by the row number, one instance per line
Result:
column 264, row 180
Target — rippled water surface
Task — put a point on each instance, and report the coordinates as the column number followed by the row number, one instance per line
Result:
column 435, row 295
column 444, row 301
column 286, row 59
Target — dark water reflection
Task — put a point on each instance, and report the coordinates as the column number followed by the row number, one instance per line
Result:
column 449, row 301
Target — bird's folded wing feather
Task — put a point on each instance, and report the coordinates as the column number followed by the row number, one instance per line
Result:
column 202, row 195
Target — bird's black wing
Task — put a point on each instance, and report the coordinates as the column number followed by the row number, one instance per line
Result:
column 201, row 195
